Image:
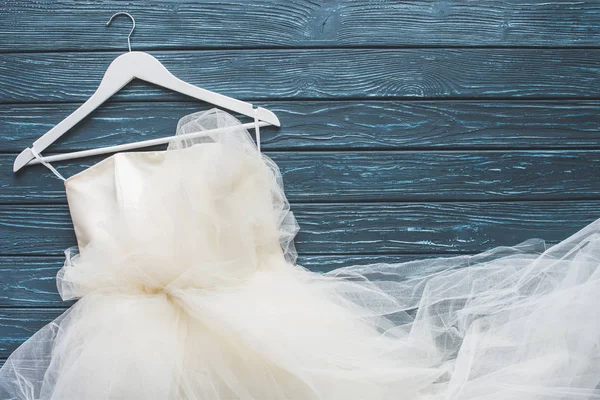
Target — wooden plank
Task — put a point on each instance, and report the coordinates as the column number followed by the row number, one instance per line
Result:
column 381, row 176
column 70, row 25
column 17, row 325
column 30, row 281
column 331, row 125
column 358, row 228
column 319, row 74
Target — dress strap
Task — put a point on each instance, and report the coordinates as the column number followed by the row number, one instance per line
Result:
column 257, row 128
column 46, row 164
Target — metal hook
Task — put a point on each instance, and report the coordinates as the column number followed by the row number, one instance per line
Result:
column 132, row 28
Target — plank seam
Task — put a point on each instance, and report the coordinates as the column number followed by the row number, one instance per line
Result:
column 281, row 100
column 303, row 48
column 302, row 254
column 425, row 150
column 590, row 97
column 366, row 202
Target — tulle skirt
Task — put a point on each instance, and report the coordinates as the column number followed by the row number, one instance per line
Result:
column 519, row 322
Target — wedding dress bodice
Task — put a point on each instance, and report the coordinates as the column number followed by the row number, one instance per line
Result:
column 225, row 193
column 201, row 214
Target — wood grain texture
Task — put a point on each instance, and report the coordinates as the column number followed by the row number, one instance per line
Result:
column 80, row 25
column 319, row 74
column 30, row 282
column 17, row 325
column 381, row 176
column 354, row 228
column 331, row 125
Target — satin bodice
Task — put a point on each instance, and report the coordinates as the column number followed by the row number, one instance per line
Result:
column 209, row 202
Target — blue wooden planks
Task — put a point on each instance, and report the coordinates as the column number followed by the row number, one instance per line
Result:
column 419, row 73
column 410, row 129
column 354, row 228
column 416, row 175
column 332, row 124
column 215, row 24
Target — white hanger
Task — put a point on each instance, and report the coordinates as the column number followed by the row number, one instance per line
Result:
column 122, row 70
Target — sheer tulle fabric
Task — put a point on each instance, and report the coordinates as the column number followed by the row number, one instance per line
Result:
column 196, row 295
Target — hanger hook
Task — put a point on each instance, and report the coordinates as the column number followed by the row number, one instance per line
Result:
column 132, row 28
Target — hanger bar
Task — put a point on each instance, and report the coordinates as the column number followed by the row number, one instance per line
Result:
column 137, row 145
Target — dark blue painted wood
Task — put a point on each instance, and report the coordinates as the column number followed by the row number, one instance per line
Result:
column 79, row 25
column 422, row 128
column 383, row 176
column 354, row 228
column 331, row 124
column 320, row 74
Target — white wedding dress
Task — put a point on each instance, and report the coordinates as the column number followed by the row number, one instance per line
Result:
column 188, row 289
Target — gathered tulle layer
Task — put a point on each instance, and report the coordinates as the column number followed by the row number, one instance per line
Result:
column 512, row 323
column 196, row 295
